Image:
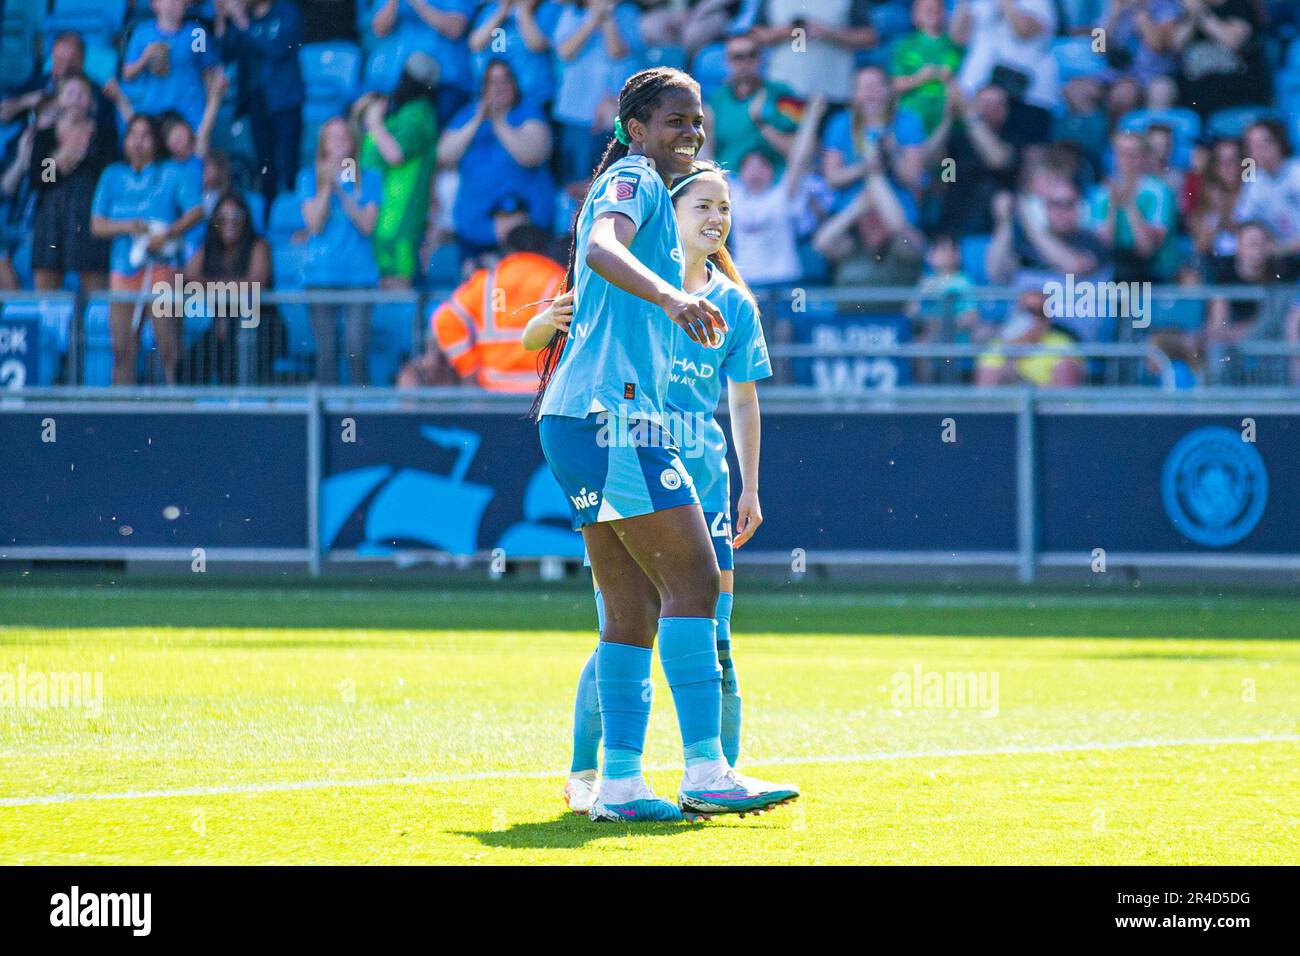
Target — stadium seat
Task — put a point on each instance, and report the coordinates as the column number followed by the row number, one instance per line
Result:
column 314, row 115
column 1185, row 124
column 710, row 67
column 384, row 65
column 1074, row 58
column 286, row 218
column 673, row 56
column 234, row 136
column 1293, row 56
column 973, row 249
column 97, row 340
column 101, row 63
column 112, row 12
column 1234, row 120
column 94, row 28
column 391, row 326
column 17, row 51
column 330, row 71
column 891, row 21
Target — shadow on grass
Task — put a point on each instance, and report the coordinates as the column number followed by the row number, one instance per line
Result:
column 572, row 832
column 520, row 607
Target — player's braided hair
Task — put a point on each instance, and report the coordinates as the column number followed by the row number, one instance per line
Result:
column 637, row 100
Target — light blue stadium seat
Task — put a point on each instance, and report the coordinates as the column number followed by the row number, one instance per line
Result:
column 1293, row 56
column 315, row 113
column 1074, row 58
column 235, row 136
column 891, row 21
column 286, row 218
column 112, row 12
column 331, row 71
column 973, row 249
column 390, row 340
column 1185, row 124
column 673, row 56
column 95, row 28
column 710, row 67
column 17, row 51
column 97, row 368
column 287, row 261
column 384, row 64
column 1234, row 120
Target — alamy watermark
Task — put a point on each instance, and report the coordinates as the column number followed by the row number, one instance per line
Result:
column 218, row 300
column 945, row 690
column 46, row 690
column 1086, row 299
column 685, row 431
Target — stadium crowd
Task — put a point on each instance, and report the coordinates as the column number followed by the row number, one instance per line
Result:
column 425, row 144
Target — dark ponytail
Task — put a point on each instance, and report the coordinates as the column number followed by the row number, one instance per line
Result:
column 637, row 100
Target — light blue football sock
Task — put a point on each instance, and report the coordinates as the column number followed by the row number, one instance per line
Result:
column 586, row 707
column 730, row 687
column 586, row 720
column 689, row 655
column 623, row 680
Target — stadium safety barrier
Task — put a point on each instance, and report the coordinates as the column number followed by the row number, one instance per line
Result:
column 1016, row 478
column 827, row 340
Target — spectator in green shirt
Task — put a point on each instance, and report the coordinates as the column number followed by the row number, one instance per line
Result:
column 750, row 114
column 923, row 61
column 401, row 144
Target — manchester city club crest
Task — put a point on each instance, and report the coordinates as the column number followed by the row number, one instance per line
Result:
column 1215, row 486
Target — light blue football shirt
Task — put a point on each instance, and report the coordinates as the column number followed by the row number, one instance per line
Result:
column 161, row 191
column 620, row 346
column 696, row 384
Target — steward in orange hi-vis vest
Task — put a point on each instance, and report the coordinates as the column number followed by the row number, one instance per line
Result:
column 480, row 326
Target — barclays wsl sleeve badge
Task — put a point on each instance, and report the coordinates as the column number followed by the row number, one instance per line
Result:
column 1214, row 486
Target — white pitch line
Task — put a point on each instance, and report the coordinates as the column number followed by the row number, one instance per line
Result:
column 544, row 774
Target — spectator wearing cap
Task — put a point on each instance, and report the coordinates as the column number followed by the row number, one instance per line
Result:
column 169, row 63
column 1134, row 214
column 1272, row 195
column 479, row 329
column 401, row 144
column 599, row 44
column 519, row 32
column 1029, row 325
column 264, row 38
column 499, row 146
column 749, row 114
column 813, row 44
column 437, row 27
column 340, row 205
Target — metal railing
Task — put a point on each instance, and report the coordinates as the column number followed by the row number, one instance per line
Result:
column 805, row 325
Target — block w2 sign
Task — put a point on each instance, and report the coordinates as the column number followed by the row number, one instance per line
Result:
column 19, row 352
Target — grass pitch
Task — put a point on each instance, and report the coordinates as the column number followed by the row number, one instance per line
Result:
column 350, row 725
